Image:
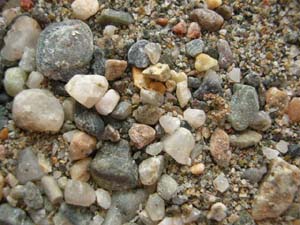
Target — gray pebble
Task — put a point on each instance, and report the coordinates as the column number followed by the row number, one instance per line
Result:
column 137, row 55
column 194, row 47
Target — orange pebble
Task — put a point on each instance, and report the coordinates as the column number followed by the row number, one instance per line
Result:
column 180, row 28
column 157, row 86
column 162, row 21
column 4, row 134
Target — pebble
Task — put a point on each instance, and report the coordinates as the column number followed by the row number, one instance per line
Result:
column 87, row 89
column 253, row 79
column 141, row 135
column 81, row 146
column 114, row 17
column 76, row 39
column 254, row 175
column 194, row 47
column 148, row 114
column 180, row 28
column 98, row 61
column 97, row 220
column 52, row 189
column 179, row 145
column 160, row 72
column 79, row 193
column 225, row 11
column 13, row 216
column 195, row 117
column 155, row 148
column 153, row 51
column 213, row 4
column 278, row 189
column 207, row 19
column 183, row 93
column 218, row 212
column 261, row 121
column 113, row 167
column 235, row 75
column 245, row 139
column 155, row 207
column 137, row 55
column 14, row 81
column 84, row 9
column 193, row 215
column 32, row 196
column 225, row 54
column 167, row 187
column 122, row 111
column 197, row 169
column 103, row 198
column 27, row 62
column 294, row 110
column 26, row 31
column 294, row 150
column 277, row 100
column 114, row 69
column 109, row 30
column 244, row 105
column 151, row 97
column 219, row 147
column 282, row 146
column 108, row 102
column 194, row 82
column 35, row 79
column 169, row 123
column 28, row 168
column 139, row 79
column 111, row 134
column 204, row 62
column 270, row 153
column 69, row 108
column 151, row 169
column 80, row 170
column 221, row 183
column 194, row 30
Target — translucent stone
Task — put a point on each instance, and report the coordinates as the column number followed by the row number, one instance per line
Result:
column 235, row 75
column 195, row 117
column 151, row 97
column 151, row 169
column 169, row 123
column 109, row 30
column 221, row 183
column 35, row 80
column 155, row 148
column 103, row 198
column 153, row 50
column 183, row 93
column 14, row 81
column 108, row 102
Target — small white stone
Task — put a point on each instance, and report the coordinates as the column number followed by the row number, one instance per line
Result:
column 108, row 102
column 151, row 169
column 35, row 80
column 221, row 183
column 155, row 207
column 169, row 123
column 195, row 117
column 87, row 89
column 155, row 148
column 235, row 75
column 159, row 71
column 84, row 9
column 270, row 153
column 282, row 146
column 183, row 93
column 153, row 50
column 103, row 198
column 193, row 216
column 151, row 97
column 217, row 212
column 109, row 30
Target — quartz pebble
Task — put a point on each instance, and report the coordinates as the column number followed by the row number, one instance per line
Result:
column 245, row 139
column 114, row 69
column 141, row 135
column 110, row 16
column 169, row 123
column 79, row 193
column 35, row 79
column 204, row 62
column 52, row 189
column 137, row 55
column 195, row 117
column 217, row 212
column 160, row 72
column 219, row 147
column 14, row 81
column 151, row 169
column 270, row 153
column 193, row 30
column 221, row 183
column 225, row 54
column 109, row 30
column 27, row 62
column 153, row 50
column 122, row 111
column 151, row 97
column 81, row 146
column 194, row 47
column 167, row 187
column 87, row 89
column 282, row 146
column 235, row 75
column 261, row 121
column 80, row 170
column 83, row 9
column 155, row 207
column 108, row 102
column 212, row 4
column 179, row 145
column 103, row 198
column 207, row 19
column 155, row 148
column 183, row 93
column 294, row 110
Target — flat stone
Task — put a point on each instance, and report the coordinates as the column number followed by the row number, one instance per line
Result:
column 221, row 183
column 294, row 110
column 225, row 54
column 155, row 207
column 151, row 169
column 108, row 102
column 261, row 121
column 153, row 50
column 207, row 19
column 79, row 193
column 14, row 81
column 113, row 168
column 167, row 187
column 84, row 9
column 195, row 117
column 110, row 16
column 64, row 49
column 245, row 139
column 219, row 147
column 204, row 62
column 183, row 93
column 13, row 216
column 32, row 196
column 35, row 79
column 114, row 69
column 137, row 55
column 169, row 123
column 148, row 114
column 141, row 135
column 179, row 145
column 277, row 191
column 159, row 71
column 151, row 97
column 194, row 47
column 218, row 212
column 87, row 89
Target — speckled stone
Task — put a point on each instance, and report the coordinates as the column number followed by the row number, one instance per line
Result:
column 141, row 135
column 225, row 54
column 13, row 216
column 194, row 47
column 148, row 114
column 122, row 111
column 137, row 55
column 207, row 19
column 219, row 147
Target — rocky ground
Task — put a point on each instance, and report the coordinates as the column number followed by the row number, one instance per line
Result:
column 150, row 112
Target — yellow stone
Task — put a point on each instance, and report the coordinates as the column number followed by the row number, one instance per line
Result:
column 212, row 4
column 205, row 62
column 178, row 77
column 139, row 79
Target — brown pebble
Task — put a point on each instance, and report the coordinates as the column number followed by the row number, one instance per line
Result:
column 277, row 99
column 162, row 21
column 294, row 110
column 219, row 147
column 4, row 134
column 141, row 135
column 197, row 169
column 114, row 69
column 180, row 28
column 194, row 31
column 158, row 87
column 80, row 170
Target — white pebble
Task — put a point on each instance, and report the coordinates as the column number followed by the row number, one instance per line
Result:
column 221, row 183
column 35, row 80
column 195, row 117
column 84, row 9
column 270, row 153
column 108, row 102
column 282, row 146
column 235, row 75
column 169, row 123
column 103, row 198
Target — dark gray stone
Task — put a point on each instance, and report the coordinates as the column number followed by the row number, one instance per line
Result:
column 58, row 88
column 254, row 175
column 32, row 196
column 148, row 114
column 137, row 55
column 193, row 82
column 64, row 49
column 113, row 167
column 13, row 216
column 122, row 111
column 98, row 62
column 110, row 16
column 252, row 79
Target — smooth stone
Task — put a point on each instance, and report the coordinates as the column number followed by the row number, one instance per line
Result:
column 28, row 168
column 294, row 150
column 159, row 71
column 14, row 81
column 113, row 168
column 282, row 146
column 180, row 28
column 276, row 100
column 148, row 114
column 98, row 61
column 235, row 75
column 87, row 89
column 114, row 69
column 52, row 189
column 141, row 135
column 167, row 187
column 155, row 207
column 169, row 123
column 244, row 105
column 277, row 191
column 293, row 110
column 254, row 175
column 151, row 169
column 109, row 30
column 204, row 62
column 194, row 30
column 270, row 153
column 155, row 148
column 194, row 47
column 218, row 212
column 178, row 77
column 64, row 49
column 153, row 50
column 13, row 216
column 108, row 102
column 80, row 170
column 219, row 147
column 183, row 93
column 32, row 196
column 122, row 111
column 245, row 139
column 195, row 117
column 207, row 19
column 261, row 121
column 27, row 62
column 179, row 145
column 221, row 183
column 213, row 4
column 137, row 55
column 110, row 16
column 225, row 11
column 113, row 217
column 23, row 33
column 37, row 110
column 81, row 146
column 151, row 97
column 35, row 79
column 79, row 193
column 84, row 9
column 225, row 54
column 103, row 198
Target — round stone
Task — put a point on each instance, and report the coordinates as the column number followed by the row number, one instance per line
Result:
column 14, row 80
column 83, row 9
column 195, row 117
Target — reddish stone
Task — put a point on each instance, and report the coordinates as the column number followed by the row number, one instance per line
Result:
column 180, row 28
column 26, row 4
column 294, row 110
column 141, row 135
column 194, row 31
column 162, row 21
column 219, row 147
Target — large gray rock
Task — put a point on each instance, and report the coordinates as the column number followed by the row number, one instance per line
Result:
column 13, row 216
column 64, row 49
column 113, row 168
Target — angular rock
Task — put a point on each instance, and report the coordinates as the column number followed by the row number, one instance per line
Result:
column 219, row 147
column 84, row 9
column 207, row 19
column 98, row 61
column 113, row 167
column 81, row 145
column 221, row 183
column 194, row 47
column 80, row 170
column 155, row 207
column 122, row 111
column 167, row 187
column 137, row 55
column 169, row 123
column 114, row 68
column 154, row 149
column 193, row 30
column 195, row 117
column 108, row 102
column 245, row 139
column 14, row 81
column 147, row 114
column 64, row 49
column 110, row 134
column 204, row 62
column 13, row 216
column 234, row 75
column 159, row 71
column 110, row 16
column 276, row 100
column 261, row 121
column 183, row 93
column 153, row 50
column 180, row 28
column 225, row 54
column 151, row 169
column 141, row 135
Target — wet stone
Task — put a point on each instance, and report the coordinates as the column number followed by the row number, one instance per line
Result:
column 137, row 55
column 207, row 19
column 110, row 16
column 194, row 47
column 225, row 54
column 147, row 114
column 122, row 111
column 32, row 196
